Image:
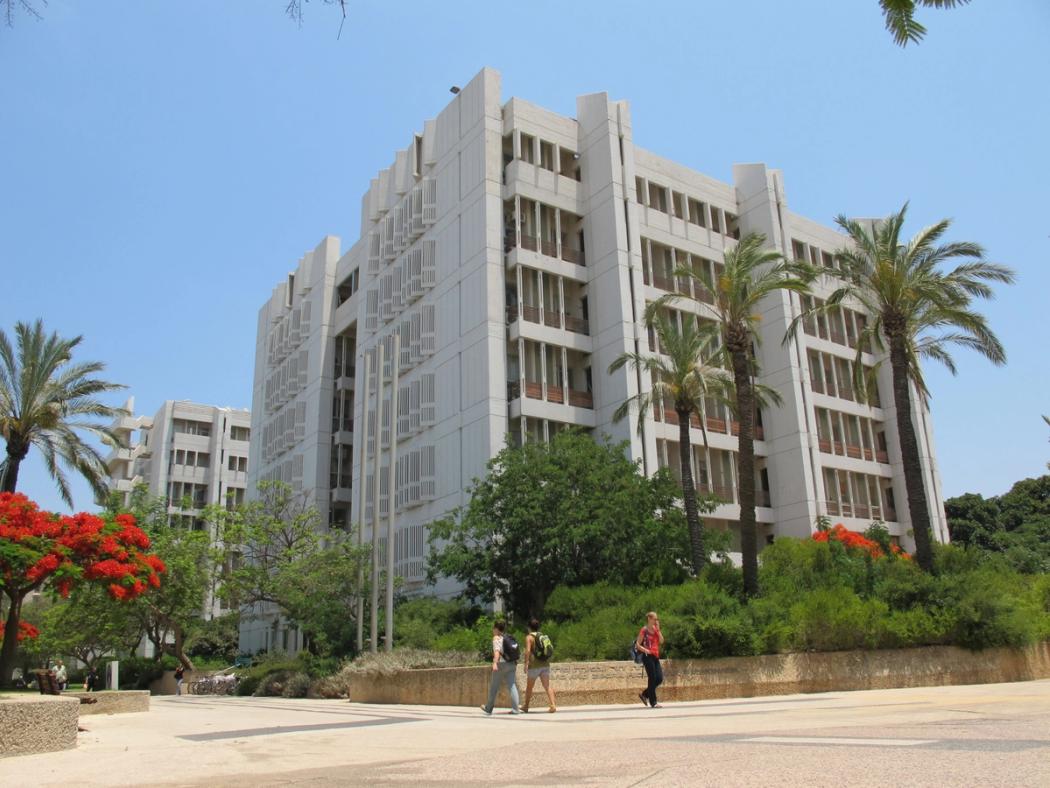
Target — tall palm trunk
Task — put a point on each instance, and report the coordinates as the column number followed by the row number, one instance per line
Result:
column 692, row 517
column 16, row 452
column 10, row 645
column 918, row 509
column 745, row 405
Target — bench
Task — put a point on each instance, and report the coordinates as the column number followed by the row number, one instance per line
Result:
column 48, row 685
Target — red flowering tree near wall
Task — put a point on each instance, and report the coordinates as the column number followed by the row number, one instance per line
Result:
column 39, row 549
column 857, row 541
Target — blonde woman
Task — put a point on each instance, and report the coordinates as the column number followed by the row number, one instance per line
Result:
column 649, row 641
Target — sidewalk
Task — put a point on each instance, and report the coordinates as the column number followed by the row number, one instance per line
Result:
column 253, row 741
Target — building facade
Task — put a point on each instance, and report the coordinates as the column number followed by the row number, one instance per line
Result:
column 513, row 252
column 191, row 455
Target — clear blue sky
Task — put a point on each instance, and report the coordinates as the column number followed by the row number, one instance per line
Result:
column 163, row 165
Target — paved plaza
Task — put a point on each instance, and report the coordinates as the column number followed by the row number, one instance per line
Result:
column 984, row 735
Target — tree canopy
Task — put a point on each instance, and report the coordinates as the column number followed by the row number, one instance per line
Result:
column 569, row 512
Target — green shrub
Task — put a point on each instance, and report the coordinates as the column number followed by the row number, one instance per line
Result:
column 139, row 672
column 837, row 619
column 721, row 636
column 420, row 622
column 297, row 685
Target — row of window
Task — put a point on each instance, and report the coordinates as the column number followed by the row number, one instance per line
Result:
column 290, row 472
column 714, row 471
column 289, row 333
column 180, row 493
column 284, row 431
column 661, row 262
column 404, row 284
column 286, row 380
column 839, row 325
column 189, row 459
column 538, row 227
column 415, row 482
column 416, row 410
column 350, row 285
column 833, row 375
column 237, row 464
column 403, row 224
column 861, row 495
column 688, row 209
column 192, row 427
column 807, row 253
column 238, row 433
column 851, row 436
column 545, row 155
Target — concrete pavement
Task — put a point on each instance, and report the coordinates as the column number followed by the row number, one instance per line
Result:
column 988, row 735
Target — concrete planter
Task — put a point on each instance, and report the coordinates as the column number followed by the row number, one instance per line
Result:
column 37, row 723
column 582, row 683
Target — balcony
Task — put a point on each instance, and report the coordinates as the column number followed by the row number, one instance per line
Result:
column 532, row 243
column 883, row 457
column 577, row 325
column 558, row 395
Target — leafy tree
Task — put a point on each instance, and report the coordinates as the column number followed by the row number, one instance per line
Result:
column 751, row 273
column 918, row 311
column 569, row 512
column 39, row 549
column 88, row 626
column 900, row 18
column 1015, row 525
column 681, row 376
column 216, row 638
column 280, row 556
column 44, row 399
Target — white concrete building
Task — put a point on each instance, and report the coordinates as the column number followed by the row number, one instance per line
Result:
column 513, row 250
column 192, row 455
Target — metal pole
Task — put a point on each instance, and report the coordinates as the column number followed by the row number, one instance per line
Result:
column 375, row 501
column 390, row 486
column 362, row 436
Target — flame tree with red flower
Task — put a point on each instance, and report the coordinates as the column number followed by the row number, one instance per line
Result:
column 40, row 550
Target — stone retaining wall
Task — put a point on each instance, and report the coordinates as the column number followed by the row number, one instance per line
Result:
column 37, row 723
column 113, row 701
column 580, row 683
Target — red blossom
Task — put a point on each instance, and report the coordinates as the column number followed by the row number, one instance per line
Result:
column 855, row 541
column 26, row 631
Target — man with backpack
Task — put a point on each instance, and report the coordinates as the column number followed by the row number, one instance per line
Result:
column 538, row 653
column 505, row 653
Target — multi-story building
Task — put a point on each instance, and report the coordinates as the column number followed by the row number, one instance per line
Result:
column 513, row 251
column 191, row 455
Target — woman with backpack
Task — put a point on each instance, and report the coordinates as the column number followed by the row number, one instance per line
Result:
column 538, row 653
column 504, row 666
column 650, row 638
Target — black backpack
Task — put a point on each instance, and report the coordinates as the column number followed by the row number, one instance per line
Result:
column 510, row 651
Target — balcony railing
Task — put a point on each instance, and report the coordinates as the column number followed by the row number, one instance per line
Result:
column 552, row 319
column 581, row 399
column 817, row 385
column 662, row 283
column 555, row 394
column 530, row 242
column 577, row 325
column 570, row 255
column 549, row 248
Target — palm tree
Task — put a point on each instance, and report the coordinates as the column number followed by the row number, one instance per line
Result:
column 900, row 18
column 907, row 295
column 44, row 398
column 681, row 376
column 751, row 273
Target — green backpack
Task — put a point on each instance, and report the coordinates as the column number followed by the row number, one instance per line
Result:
column 542, row 647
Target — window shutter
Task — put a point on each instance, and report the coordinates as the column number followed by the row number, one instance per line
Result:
column 375, row 253
column 387, row 308
column 399, row 229
column 428, row 338
column 428, row 400
column 428, row 473
column 429, row 201
column 417, row 209
column 372, row 309
column 415, row 413
column 304, row 367
column 300, row 420
column 429, row 267
column 403, row 407
column 388, row 237
column 304, row 326
column 417, row 337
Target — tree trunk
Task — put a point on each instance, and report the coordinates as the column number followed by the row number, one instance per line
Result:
column 15, row 454
column 918, row 509
column 10, row 645
column 179, row 648
column 745, row 468
column 692, row 517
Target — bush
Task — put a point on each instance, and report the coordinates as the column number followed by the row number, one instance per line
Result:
column 297, row 685
column 139, row 672
column 836, row 620
column 420, row 622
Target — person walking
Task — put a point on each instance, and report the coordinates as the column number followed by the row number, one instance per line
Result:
column 60, row 676
column 504, row 666
column 650, row 638
column 180, row 671
column 538, row 651
column 91, row 681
